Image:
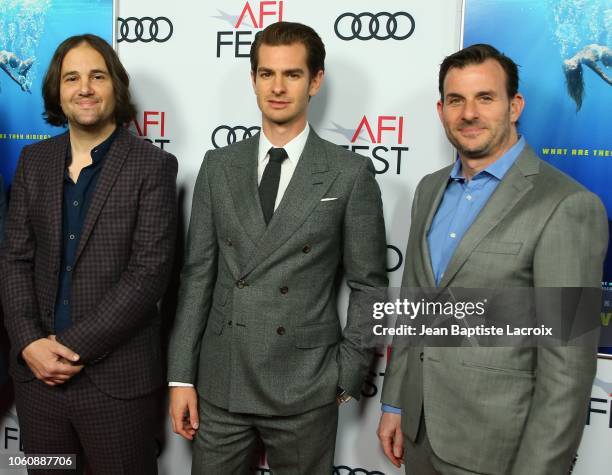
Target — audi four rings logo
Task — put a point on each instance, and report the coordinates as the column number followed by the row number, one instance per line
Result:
column 344, row 470
column 226, row 135
column 374, row 26
column 145, row 29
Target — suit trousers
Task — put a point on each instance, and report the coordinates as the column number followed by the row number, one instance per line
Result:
column 113, row 436
column 301, row 444
column 420, row 459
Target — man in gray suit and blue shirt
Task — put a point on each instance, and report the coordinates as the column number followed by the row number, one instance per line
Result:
column 498, row 218
column 275, row 221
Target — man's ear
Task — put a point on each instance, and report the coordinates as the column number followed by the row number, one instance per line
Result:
column 316, row 82
column 517, row 104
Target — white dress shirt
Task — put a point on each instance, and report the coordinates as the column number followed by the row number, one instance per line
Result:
column 293, row 148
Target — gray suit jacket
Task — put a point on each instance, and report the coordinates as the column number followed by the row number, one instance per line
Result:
column 257, row 329
column 509, row 410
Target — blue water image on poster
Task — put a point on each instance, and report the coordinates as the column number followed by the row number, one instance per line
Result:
column 30, row 31
column 564, row 49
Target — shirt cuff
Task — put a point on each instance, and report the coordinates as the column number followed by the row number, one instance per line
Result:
column 182, row 385
column 392, row 409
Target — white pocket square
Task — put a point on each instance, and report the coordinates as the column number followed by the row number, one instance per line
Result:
column 328, row 199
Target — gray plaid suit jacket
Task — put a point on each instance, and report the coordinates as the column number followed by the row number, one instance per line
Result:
column 257, row 329
column 504, row 410
column 121, row 269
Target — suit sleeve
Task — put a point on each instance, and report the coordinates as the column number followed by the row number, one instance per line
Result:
column 395, row 371
column 197, row 282
column 21, row 312
column 570, row 253
column 126, row 307
column 364, row 262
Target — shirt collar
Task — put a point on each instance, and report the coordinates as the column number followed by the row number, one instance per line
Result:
column 294, row 147
column 498, row 168
column 99, row 151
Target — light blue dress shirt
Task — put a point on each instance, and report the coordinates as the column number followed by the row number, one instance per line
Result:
column 460, row 205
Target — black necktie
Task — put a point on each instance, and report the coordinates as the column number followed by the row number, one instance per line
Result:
column 268, row 187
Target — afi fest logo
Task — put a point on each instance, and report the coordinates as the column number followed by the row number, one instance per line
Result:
column 371, row 384
column 253, row 15
column 599, row 405
column 151, row 126
column 381, row 138
column 11, row 436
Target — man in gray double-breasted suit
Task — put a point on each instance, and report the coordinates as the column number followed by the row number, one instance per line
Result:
column 276, row 220
column 499, row 218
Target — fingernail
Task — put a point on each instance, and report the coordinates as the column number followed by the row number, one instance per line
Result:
column 195, row 426
column 75, row 357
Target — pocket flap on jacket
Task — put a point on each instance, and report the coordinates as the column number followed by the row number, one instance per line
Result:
column 319, row 334
column 499, row 247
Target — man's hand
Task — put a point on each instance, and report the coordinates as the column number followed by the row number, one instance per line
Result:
column 391, row 437
column 50, row 361
column 184, row 411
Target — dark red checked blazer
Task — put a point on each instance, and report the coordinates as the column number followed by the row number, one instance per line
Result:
column 121, row 269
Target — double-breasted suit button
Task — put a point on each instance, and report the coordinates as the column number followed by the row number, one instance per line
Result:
column 421, row 356
column 306, row 249
column 281, row 330
column 241, row 284
column 229, row 324
column 284, row 290
column 229, row 242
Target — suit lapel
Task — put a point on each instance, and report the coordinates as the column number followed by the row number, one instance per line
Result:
column 110, row 169
column 508, row 193
column 309, row 183
column 55, row 184
column 241, row 174
column 437, row 191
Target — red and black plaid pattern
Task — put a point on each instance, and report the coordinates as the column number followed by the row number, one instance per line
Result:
column 121, row 269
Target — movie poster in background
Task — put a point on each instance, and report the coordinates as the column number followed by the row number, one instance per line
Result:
column 30, row 31
column 564, row 49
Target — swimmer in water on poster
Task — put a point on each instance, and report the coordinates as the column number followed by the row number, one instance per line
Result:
column 589, row 56
column 16, row 68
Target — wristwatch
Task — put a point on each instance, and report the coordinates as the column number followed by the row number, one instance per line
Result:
column 342, row 396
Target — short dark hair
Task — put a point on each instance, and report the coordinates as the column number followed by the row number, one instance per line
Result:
column 478, row 54
column 125, row 111
column 287, row 33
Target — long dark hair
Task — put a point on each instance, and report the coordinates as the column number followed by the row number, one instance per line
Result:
column 125, row 111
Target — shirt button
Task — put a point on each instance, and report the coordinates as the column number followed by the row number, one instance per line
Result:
column 281, row 330
column 284, row 290
column 72, row 236
column 75, row 203
column 453, row 235
column 68, row 268
column 468, row 197
column 65, row 302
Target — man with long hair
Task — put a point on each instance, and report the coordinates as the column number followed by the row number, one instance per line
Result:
column 89, row 244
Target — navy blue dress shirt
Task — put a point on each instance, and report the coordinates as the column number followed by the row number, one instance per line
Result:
column 76, row 201
column 462, row 202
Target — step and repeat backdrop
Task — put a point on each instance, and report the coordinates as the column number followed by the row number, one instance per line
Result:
column 190, row 77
